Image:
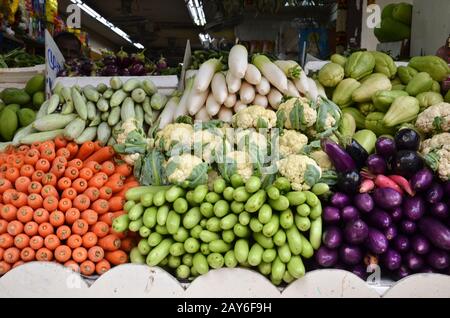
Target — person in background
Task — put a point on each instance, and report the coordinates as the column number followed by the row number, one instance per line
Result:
column 69, row 45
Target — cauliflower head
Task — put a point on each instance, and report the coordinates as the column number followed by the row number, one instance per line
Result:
column 322, row 159
column 328, row 119
column 127, row 127
column 253, row 143
column 236, row 162
column 174, row 135
column 302, row 171
column 291, row 142
column 434, row 119
column 187, row 170
column 255, row 117
column 209, row 144
column 436, row 152
column 297, row 114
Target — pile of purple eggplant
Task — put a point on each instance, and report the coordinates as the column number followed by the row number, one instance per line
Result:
column 114, row 64
column 392, row 212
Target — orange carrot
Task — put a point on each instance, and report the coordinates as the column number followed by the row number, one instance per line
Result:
column 92, row 193
column 36, row 242
column 100, row 206
column 90, row 216
column 45, row 229
column 34, row 187
column 15, row 228
column 80, row 185
column 8, row 212
column 116, row 203
column 86, row 150
column 57, row 218
column 102, row 267
column 72, row 265
column 50, row 203
column 44, row 255
column 116, row 257
column 101, row 229
column 63, row 253
column 27, row 254
column 6, row 240
column 105, row 193
column 69, row 193
column 81, row 202
column 21, row 184
column 96, row 254
column 127, row 244
column 52, row 242
column 25, row 214
column 11, row 255
column 31, row 228
column 89, row 239
column 73, row 149
column 4, row 267
column 87, row 268
column 63, row 232
column 37, row 175
column 102, row 155
column 124, row 170
column 19, row 199
column 110, row 242
column 27, row 171
column 74, row 241
column 79, row 254
column 60, row 142
column 86, row 174
column 21, row 241
column 64, row 183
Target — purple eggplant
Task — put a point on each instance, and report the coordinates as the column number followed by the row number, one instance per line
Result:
column 440, row 210
column 407, row 139
column 349, row 182
column 326, row 257
column 414, row 262
column 420, row 245
column 341, row 160
column 427, row 270
column 447, row 188
column 349, row 213
column 408, row 227
column 434, row 194
column 110, row 70
column 340, row 200
column 331, row 215
column 350, row 254
column 436, row 232
column 124, row 72
column 332, row 238
column 360, row 271
column 357, row 152
column 137, row 70
column 392, row 260
column 162, row 63
column 380, row 219
column 397, row 214
column 364, row 202
column 376, row 164
column 422, row 180
column 110, row 60
column 406, row 163
column 376, row 242
column 387, row 198
column 402, row 272
column 385, row 147
column 391, row 232
column 356, row 232
column 402, row 243
column 438, row 259
column 414, row 207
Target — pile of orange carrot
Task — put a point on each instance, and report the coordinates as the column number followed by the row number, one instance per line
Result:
column 57, row 203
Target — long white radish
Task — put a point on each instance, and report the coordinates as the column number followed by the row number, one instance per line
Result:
column 212, row 106
column 233, row 83
column 247, row 93
column 261, row 101
column 225, row 114
column 239, row 106
column 313, row 93
column 189, row 74
column 238, row 61
column 182, row 108
column 263, row 88
column 292, row 90
column 302, row 83
column 275, row 98
column 167, row 114
column 196, row 101
column 274, row 75
column 202, row 115
column 253, row 75
column 205, row 74
column 219, row 88
column 290, row 68
column 320, row 89
column 230, row 101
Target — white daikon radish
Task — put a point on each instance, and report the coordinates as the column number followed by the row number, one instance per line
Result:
column 167, row 114
column 247, row 93
column 274, row 75
column 225, row 114
column 219, row 88
column 253, row 75
column 189, row 74
column 230, row 101
column 292, row 90
column 233, row 83
column 290, row 68
column 202, row 115
column 205, row 74
column 275, row 98
column 182, row 108
column 313, row 93
column 320, row 89
column 261, row 101
column 238, row 61
column 196, row 100
column 302, row 83
column 239, row 106
column 263, row 88
column 212, row 106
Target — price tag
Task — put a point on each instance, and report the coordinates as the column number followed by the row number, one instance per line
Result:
column 54, row 62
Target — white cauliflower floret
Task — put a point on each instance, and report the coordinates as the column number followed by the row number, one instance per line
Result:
column 131, row 159
column 434, row 119
column 322, row 159
column 304, row 119
column 208, row 144
column 180, row 170
column 128, row 126
column 302, row 171
column 257, row 143
column 292, row 142
column 255, row 117
column 174, row 134
column 244, row 165
column 436, row 152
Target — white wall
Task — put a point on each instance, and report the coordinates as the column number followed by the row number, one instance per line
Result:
column 368, row 39
column 431, row 26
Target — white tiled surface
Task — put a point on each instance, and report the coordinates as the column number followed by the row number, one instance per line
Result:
column 53, row 280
